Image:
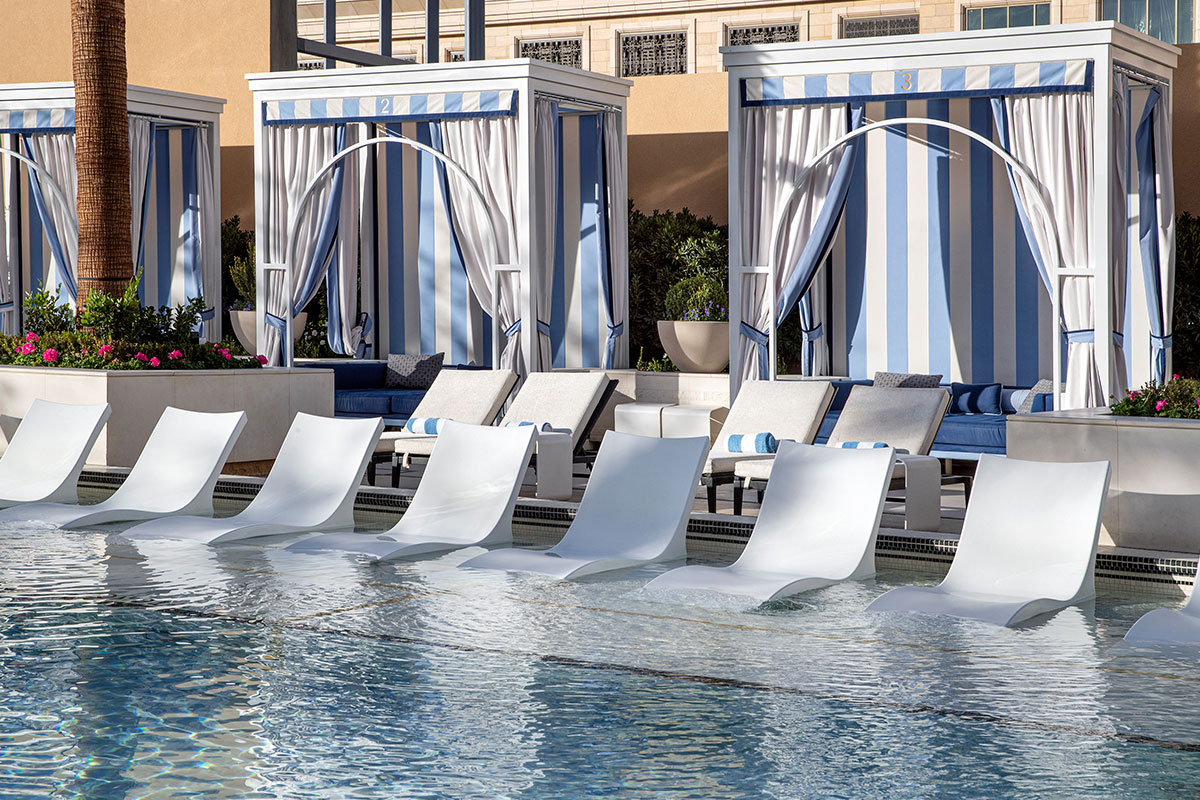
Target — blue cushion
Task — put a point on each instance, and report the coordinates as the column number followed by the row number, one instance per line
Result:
column 353, row 374
column 976, row 433
column 841, row 392
column 404, row 401
column 1043, row 402
column 975, row 398
column 376, row 402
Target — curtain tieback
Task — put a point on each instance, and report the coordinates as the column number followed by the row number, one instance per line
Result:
column 364, row 329
column 811, row 334
column 610, row 347
column 208, row 314
column 8, row 305
column 1157, row 342
column 543, row 328
column 1118, row 339
column 512, row 330
column 764, row 353
column 279, row 324
column 1082, row 336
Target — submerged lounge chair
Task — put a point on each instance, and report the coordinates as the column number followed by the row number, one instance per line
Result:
column 47, row 452
column 817, row 526
column 906, row 419
column 311, row 486
column 466, row 497
column 174, row 474
column 469, row 396
column 634, row 511
column 1028, row 544
column 789, row 410
column 1168, row 626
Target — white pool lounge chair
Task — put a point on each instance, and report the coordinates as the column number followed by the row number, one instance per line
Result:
column 1028, row 544
column 634, row 511
column 466, row 497
column 789, row 410
column 1168, row 626
column 311, row 486
column 906, row 419
column 816, row 527
column 47, row 452
column 469, row 396
column 174, row 474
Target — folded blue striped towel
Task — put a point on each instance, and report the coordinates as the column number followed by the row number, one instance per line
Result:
column 751, row 443
column 542, row 426
column 858, row 445
column 429, row 426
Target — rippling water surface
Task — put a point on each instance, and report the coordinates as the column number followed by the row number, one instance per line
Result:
column 170, row 670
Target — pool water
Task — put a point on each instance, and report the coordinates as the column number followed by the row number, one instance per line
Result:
column 171, row 669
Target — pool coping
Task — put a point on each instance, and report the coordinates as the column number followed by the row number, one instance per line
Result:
column 724, row 534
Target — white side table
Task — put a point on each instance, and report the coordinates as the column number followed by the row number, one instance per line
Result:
column 554, row 466
column 644, row 419
column 681, row 421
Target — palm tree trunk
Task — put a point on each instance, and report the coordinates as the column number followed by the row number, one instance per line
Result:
column 101, row 146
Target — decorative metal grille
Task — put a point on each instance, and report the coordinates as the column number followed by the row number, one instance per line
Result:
column 568, row 52
column 315, row 64
column 457, row 55
column 653, row 54
column 860, row 27
column 763, row 34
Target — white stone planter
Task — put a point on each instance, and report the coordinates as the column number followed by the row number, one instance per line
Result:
column 242, row 323
column 270, row 398
column 1154, row 493
column 696, row 346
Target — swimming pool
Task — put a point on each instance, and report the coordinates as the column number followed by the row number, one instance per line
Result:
column 168, row 669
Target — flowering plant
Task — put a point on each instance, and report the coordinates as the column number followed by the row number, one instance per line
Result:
column 85, row 350
column 697, row 299
column 1178, row 398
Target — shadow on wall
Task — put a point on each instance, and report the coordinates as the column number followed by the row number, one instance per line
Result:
column 681, row 170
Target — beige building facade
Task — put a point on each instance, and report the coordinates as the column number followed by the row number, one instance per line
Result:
column 678, row 122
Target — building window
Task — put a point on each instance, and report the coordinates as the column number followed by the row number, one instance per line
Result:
column 567, row 52
column 1015, row 16
column 1168, row 20
column 898, row 25
column 762, row 34
column 653, row 54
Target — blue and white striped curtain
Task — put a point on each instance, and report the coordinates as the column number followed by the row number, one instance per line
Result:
column 55, row 152
column 1156, row 225
column 579, row 316
column 419, row 286
column 614, row 222
column 932, row 271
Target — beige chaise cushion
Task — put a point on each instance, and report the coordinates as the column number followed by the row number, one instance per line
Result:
column 471, row 396
column 786, row 409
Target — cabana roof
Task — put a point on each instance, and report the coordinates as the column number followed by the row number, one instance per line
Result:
column 56, row 101
column 996, row 66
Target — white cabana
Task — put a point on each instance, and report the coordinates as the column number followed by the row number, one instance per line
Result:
column 400, row 241
column 1030, row 180
column 175, row 192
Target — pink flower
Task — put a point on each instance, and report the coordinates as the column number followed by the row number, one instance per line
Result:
column 1160, row 405
column 1175, row 377
column 51, row 355
column 105, row 349
column 1135, row 394
column 31, row 337
column 85, row 351
column 1198, row 402
column 25, row 349
column 141, row 357
column 174, row 354
column 263, row 360
column 154, row 362
column 225, row 354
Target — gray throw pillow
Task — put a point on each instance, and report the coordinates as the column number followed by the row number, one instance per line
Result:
column 1044, row 386
column 907, row 380
column 412, row 372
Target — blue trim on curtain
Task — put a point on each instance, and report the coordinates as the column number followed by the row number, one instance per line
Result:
column 796, row 291
column 606, row 276
column 393, row 261
column 145, row 210
column 193, row 280
column 558, row 338
column 983, row 348
column 426, row 249
column 164, row 224
column 764, row 352
column 938, row 180
column 592, row 267
column 52, row 234
column 459, row 289
column 1147, row 158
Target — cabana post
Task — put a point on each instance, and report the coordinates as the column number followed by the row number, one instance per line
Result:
column 522, row 266
column 906, row 254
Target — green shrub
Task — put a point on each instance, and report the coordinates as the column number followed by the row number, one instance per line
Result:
column 43, row 314
column 663, row 364
column 1186, row 322
column 125, row 319
column 697, row 299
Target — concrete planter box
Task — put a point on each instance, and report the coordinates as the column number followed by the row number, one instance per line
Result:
column 270, row 398
column 1154, row 494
